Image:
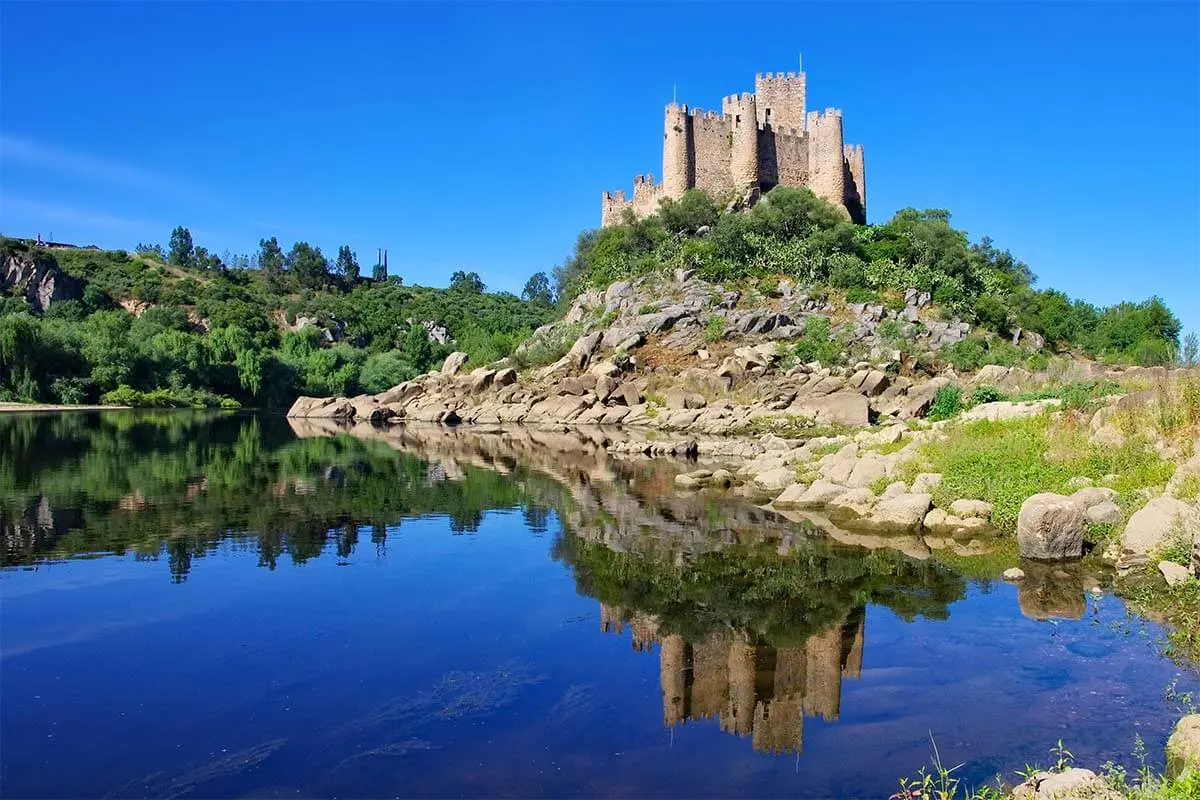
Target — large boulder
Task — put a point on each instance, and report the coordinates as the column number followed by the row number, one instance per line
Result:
column 902, row 512
column 1154, row 524
column 682, row 398
column 1050, row 526
column 322, row 408
column 838, row 408
column 1183, row 748
column 1073, row 783
column 453, row 363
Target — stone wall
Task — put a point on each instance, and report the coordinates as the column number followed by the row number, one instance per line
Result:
column 712, row 141
column 781, row 99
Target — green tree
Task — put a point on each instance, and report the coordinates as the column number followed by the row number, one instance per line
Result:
column 181, row 251
column 271, row 261
column 308, row 266
column 466, row 282
column 347, row 264
column 418, row 350
column 537, row 289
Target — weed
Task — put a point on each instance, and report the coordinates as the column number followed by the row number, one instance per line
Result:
column 714, row 329
column 1063, row 758
column 650, row 308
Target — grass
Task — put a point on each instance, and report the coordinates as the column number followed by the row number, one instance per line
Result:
column 940, row 783
column 1006, row 462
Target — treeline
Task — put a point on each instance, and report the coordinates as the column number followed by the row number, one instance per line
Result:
column 791, row 233
column 185, row 327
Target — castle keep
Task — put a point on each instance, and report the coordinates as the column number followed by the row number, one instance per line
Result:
column 757, row 142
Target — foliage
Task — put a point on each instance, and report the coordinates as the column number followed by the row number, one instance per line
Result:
column 818, row 343
column 791, row 233
column 538, row 290
column 213, row 332
column 714, row 328
column 947, row 403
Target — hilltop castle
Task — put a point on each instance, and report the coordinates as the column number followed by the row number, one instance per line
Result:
column 757, row 142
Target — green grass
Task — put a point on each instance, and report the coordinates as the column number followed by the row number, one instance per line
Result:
column 1006, row 462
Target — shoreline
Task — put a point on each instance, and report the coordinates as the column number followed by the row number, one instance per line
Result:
column 30, row 407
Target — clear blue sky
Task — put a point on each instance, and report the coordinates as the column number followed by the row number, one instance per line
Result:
column 481, row 136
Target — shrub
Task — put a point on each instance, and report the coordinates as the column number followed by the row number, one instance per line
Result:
column 986, row 394
column 714, row 328
column 947, row 403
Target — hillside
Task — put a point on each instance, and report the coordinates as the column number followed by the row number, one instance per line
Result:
column 82, row 325
column 185, row 328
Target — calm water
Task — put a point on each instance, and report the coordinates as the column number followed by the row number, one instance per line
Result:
column 199, row 606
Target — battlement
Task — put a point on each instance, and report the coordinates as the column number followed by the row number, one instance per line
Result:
column 757, row 141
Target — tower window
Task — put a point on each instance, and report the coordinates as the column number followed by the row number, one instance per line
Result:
column 768, row 115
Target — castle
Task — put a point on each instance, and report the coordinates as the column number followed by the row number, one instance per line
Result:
column 757, row 142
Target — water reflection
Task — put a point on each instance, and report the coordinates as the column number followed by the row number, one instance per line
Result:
column 408, row 676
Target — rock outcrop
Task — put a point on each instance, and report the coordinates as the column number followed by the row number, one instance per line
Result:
column 39, row 280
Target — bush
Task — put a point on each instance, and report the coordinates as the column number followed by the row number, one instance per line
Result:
column 818, row 344
column 986, row 394
column 947, row 403
column 714, row 328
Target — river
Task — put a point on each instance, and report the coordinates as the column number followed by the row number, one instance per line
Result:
column 206, row 605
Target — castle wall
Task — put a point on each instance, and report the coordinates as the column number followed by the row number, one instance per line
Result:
column 712, row 143
column 791, row 159
column 856, row 182
column 781, row 99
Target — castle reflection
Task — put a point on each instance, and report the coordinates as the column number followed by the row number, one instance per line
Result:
column 752, row 689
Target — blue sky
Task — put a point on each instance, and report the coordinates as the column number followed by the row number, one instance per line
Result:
column 480, row 136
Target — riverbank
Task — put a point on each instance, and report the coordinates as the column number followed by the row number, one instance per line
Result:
column 13, row 408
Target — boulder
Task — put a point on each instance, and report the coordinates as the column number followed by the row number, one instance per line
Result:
column 481, row 378
column 906, row 511
column 1105, row 513
column 605, row 386
column 722, row 478
column 1155, row 523
column 819, row 494
column 686, row 482
column 875, row 384
column 1174, row 574
column 750, row 357
column 774, row 480
column 581, row 352
column 453, row 363
column 1050, row 526
column 1073, row 783
column 1014, row 574
column 1183, row 748
column 1004, row 410
column 839, row 408
column 628, row 394
column 1090, row 496
column 504, row 377
column 866, row 471
column 926, row 482
column 681, row 398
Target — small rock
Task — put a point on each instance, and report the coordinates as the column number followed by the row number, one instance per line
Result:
column 971, row 508
column 775, row 479
column 686, row 482
column 1014, row 574
column 722, row 477
column 927, row 482
column 453, row 363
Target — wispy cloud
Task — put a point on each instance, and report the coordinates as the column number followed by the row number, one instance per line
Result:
column 111, row 172
column 68, row 215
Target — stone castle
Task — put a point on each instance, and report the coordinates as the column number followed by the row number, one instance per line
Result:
column 757, row 142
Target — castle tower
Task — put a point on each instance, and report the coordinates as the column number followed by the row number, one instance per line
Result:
column 781, row 99
column 826, row 158
column 741, row 111
column 677, row 137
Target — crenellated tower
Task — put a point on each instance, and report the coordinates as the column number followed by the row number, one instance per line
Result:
column 756, row 142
